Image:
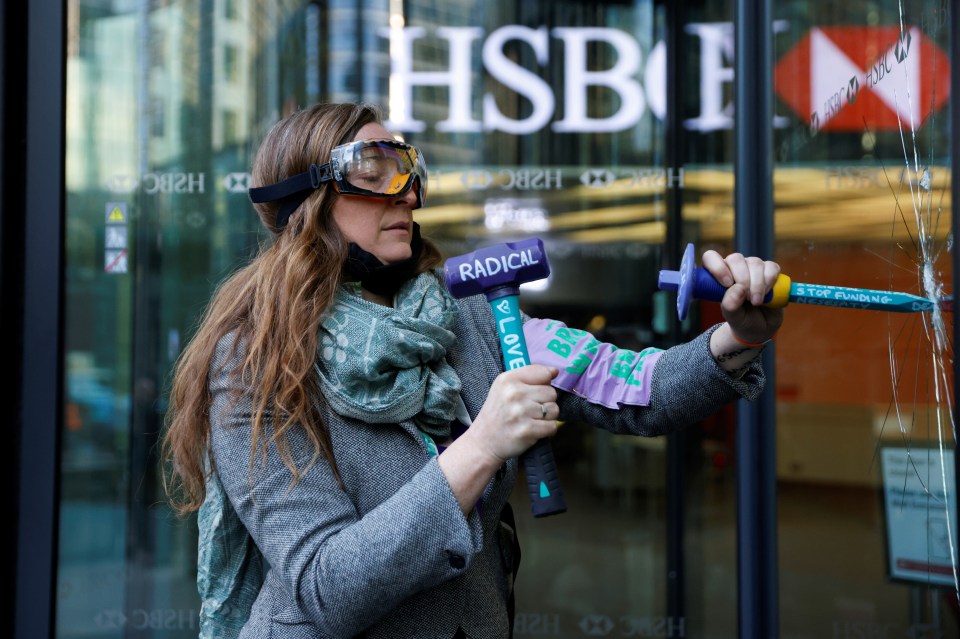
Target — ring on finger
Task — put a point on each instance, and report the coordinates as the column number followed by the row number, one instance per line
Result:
column 543, row 411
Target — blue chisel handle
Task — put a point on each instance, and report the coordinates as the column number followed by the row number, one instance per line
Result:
column 543, row 481
column 693, row 282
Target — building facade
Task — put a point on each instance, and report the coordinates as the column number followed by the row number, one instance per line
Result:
column 609, row 130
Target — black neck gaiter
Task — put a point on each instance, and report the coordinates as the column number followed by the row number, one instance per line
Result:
column 380, row 278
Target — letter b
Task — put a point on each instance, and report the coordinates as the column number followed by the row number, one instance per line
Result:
column 620, row 78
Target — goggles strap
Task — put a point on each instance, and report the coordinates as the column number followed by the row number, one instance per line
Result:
column 291, row 193
column 380, row 278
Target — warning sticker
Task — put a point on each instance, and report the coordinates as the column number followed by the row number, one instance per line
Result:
column 116, row 212
column 115, row 236
column 115, row 261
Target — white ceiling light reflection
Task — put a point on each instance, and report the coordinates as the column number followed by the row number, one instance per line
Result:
column 536, row 286
column 513, row 214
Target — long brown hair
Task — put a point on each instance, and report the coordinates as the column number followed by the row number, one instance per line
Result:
column 273, row 306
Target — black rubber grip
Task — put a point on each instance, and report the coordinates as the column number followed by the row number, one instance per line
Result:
column 543, row 482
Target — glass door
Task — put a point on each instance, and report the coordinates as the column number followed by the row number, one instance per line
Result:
column 867, row 509
column 539, row 119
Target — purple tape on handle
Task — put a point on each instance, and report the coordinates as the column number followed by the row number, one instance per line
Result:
column 601, row 373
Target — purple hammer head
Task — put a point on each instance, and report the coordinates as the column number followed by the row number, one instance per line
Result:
column 497, row 270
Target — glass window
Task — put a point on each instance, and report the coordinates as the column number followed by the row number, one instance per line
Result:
column 543, row 119
column 231, row 64
column 231, row 9
column 862, row 190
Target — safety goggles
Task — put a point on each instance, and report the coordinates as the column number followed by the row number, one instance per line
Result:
column 371, row 168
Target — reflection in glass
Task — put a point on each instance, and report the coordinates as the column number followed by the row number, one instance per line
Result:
column 167, row 101
column 862, row 194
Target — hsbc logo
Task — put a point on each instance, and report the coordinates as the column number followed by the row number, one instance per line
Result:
column 597, row 625
column 236, row 182
column 121, row 183
column 845, row 78
column 597, row 178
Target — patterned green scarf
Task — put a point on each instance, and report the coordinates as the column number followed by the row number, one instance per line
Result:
column 385, row 365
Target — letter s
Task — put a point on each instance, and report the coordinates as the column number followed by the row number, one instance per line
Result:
column 523, row 81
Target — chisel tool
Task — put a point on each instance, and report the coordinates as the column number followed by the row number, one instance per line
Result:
column 694, row 282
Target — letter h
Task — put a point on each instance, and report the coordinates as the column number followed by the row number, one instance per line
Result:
column 403, row 78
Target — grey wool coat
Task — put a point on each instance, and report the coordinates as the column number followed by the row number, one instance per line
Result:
column 391, row 555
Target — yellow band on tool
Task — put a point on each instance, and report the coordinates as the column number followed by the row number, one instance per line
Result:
column 781, row 292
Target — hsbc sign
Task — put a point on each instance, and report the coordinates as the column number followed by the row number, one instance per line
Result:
column 640, row 83
column 843, row 78
column 621, row 78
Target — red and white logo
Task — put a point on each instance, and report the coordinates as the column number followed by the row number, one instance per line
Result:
column 856, row 78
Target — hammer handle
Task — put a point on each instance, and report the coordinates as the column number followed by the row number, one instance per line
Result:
column 543, row 482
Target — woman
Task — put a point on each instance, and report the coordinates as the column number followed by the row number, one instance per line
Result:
column 340, row 413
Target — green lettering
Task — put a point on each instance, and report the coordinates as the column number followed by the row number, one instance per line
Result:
column 592, row 344
column 635, row 379
column 621, row 370
column 579, row 365
column 558, row 347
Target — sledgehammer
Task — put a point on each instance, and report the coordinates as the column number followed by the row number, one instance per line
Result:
column 497, row 272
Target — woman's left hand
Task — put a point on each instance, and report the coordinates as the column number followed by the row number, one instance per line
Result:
column 748, row 280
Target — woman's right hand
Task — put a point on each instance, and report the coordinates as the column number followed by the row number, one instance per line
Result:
column 512, row 420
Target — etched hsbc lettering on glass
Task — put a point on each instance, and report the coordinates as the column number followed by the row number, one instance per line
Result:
column 163, row 619
column 536, row 624
column 532, row 179
column 655, row 178
column 157, row 183
column 143, row 619
column 519, row 179
column 652, row 627
column 172, row 183
column 638, row 178
column 853, row 177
